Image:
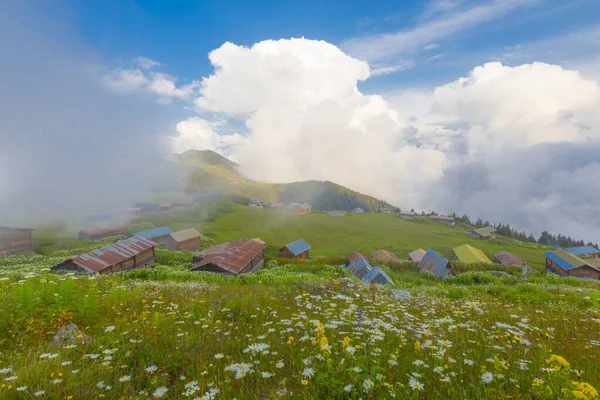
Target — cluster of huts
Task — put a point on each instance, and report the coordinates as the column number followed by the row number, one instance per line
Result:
column 295, row 208
column 360, row 267
column 435, row 263
column 579, row 262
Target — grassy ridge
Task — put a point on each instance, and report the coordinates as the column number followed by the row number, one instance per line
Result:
column 337, row 236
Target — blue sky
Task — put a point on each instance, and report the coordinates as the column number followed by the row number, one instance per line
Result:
column 180, row 34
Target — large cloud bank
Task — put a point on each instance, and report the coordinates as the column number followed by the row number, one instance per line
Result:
column 510, row 144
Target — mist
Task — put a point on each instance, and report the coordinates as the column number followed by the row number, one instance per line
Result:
column 68, row 147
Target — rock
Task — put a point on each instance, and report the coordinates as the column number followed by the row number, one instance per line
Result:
column 70, row 334
column 401, row 294
column 499, row 274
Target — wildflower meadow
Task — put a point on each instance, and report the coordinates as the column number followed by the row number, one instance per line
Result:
column 285, row 332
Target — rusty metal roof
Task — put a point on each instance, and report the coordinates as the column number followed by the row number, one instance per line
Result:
column 417, row 255
column 103, row 229
column 104, row 257
column 506, row 258
column 231, row 256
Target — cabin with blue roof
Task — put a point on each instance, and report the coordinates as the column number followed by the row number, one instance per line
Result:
column 157, row 235
column 585, row 251
column 256, row 203
column 359, row 265
column 563, row 263
column 436, row 264
column 379, row 276
column 297, row 250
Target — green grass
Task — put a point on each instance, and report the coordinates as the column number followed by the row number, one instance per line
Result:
column 337, row 236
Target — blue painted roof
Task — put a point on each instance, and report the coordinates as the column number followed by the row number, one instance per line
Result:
column 256, row 201
column 372, row 274
column 154, row 233
column 582, row 250
column 434, row 263
column 298, row 247
column 558, row 260
column 359, row 264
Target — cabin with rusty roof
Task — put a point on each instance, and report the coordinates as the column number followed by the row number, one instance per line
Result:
column 124, row 255
column 506, row 258
column 297, row 250
column 157, row 235
column 442, row 219
column 231, row 258
column 563, row 263
column 417, row 255
column 15, row 241
column 436, row 264
column 186, row 240
column 99, row 231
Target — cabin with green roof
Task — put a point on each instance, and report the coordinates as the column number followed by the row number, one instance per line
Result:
column 468, row 254
column 485, row 233
column 563, row 263
column 186, row 240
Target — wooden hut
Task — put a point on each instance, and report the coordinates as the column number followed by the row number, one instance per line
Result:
column 417, row 255
column 297, row 250
column 562, row 263
column 506, row 258
column 468, row 254
column 157, row 235
column 186, row 240
column 14, row 241
column 377, row 275
column 231, row 258
column 359, row 265
column 99, row 231
column 485, row 233
column 126, row 254
column 436, row 264
column 441, row 219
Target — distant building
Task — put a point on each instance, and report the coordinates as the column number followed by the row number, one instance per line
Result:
column 147, row 207
column 358, row 210
column 584, row 251
column 277, row 206
column 337, row 214
column 292, row 206
column 15, row 241
column 441, row 219
column 165, row 208
column 297, row 250
column 562, row 263
column 436, row 264
column 359, row 265
column 303, row 209
column 124, row 255
column 386, row 211
column 186, row 240
column 407, row 215
column 99, row 231
column 256, row 203
column 468, row 254
column 417, row 255
column 379, row 276
column 157, row 235
column 506, row 258
column 231, row 258
column 484, row 233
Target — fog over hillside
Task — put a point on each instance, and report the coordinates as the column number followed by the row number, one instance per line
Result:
column 511, row 143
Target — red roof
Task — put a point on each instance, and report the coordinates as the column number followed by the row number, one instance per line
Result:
column 103, row 229
column 105, row 257
column 231, row 256
column 506, row 258
column 442, row 217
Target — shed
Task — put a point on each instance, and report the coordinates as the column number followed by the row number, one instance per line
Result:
column 126, row 254
column 186, row 240
column 358, row 210
column 303, row 209
column 468, row 254
column 297, row 250
column 386, row 211
column 506, row 258
column 436, row 264
column 441, row 219
column 379, row 276
column 562, row 263
column 99, row 231
column 484, row 233
column 407, row 215
column 417, row 255
column 232, row 258
column 256, row 203
column 586, row 251
column 15, row 241
column 359, row 265
column 157, row 235
column 277, row 206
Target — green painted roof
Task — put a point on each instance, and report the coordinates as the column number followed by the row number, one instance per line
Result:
column 570, row 258
column 594, row 263
column 485, row 231
column 470, row 255
column 184, row 235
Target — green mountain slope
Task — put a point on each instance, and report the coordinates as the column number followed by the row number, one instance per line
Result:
column 214, row 172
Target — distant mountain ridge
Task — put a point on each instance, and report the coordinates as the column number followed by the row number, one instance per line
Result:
column 216, row 173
